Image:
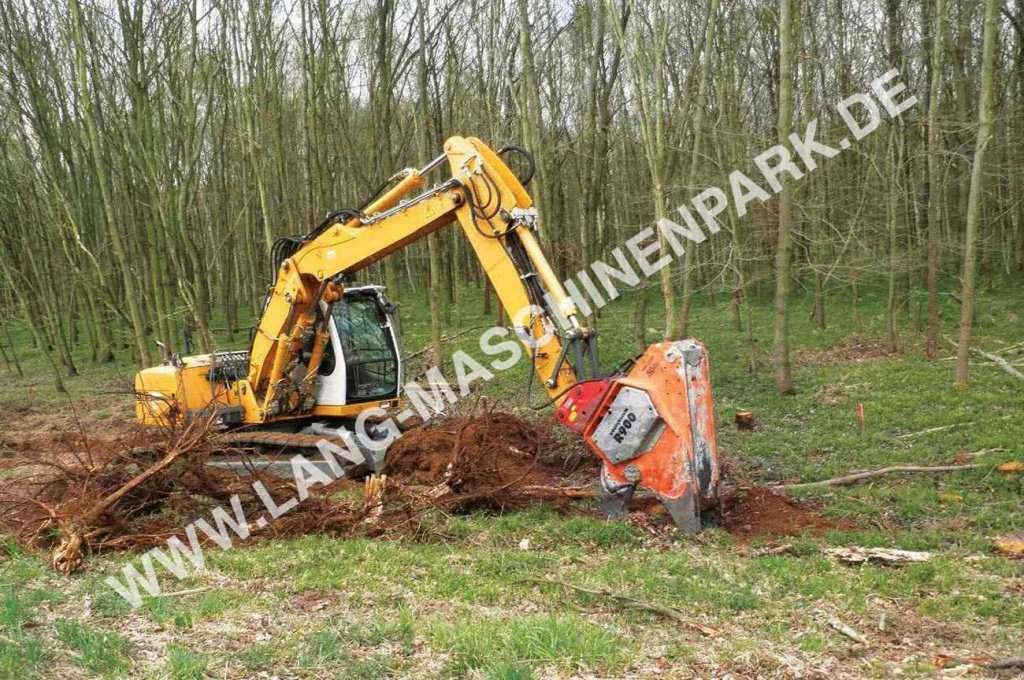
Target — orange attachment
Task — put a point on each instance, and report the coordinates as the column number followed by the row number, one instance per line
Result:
column 655, row 428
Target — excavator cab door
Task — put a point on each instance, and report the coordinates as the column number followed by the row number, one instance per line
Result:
column 362, row 362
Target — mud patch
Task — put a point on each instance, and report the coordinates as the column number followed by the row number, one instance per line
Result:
column 759, row 512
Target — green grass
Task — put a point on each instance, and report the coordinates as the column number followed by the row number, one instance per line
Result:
column 24, row 591
column 185, row 664
column 500, row 647
column 184, row 612
column 471, row 602
column 100, row 652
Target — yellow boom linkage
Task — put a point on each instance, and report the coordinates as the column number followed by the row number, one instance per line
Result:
column 492, row 207
column 483, row 196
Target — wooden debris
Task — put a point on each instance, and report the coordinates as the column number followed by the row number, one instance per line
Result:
column 188, row 591
column 628, row 602
column 561, row 491
column 67, row 557
column 886, row 556
column 965, row 456
column 774, row 550
column 940, row 428
column 843, row 629
column 999, row 361
column 858, row 476
column 373, row 497
column 1011, row 545
column 745, row 421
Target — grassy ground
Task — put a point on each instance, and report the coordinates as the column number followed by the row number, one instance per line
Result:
column 475, row 602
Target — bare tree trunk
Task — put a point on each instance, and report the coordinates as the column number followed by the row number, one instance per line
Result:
column 988, row 59
column 425, row 143
column 640, row 321
column 698, row 130
column 934, row 193
column 895, row 143
column 783, row 253
column 99, row 167
column 531, row 119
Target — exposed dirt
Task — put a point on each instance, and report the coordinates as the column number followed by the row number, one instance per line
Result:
column 854, row 350
column 491, row 456
column 759, row 512
column 39, row 432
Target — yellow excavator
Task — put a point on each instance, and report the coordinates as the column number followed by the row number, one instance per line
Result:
column 325, row 360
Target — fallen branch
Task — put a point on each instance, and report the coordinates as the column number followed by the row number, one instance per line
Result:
column 628, row 602
column 189, row 591
column 886, row 556
column 967, row 455
column 856, row 477
column 842, row 628
column 995, row 359
column 1004, row 664
column 1000, row 362
column 563, row 491
column 934, row 429
column 76, row 533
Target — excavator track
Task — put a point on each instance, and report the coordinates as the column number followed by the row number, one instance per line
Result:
column 278, row 462
column 283, row 440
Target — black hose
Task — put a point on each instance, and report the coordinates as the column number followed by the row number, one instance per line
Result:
column 555, row 398
column 525, row 154
column 332, row 218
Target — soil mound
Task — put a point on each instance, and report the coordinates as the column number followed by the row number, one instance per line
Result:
column 760, row 512
column 485, row 459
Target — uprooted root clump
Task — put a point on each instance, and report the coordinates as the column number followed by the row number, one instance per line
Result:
column 132, row 492
column 138, row 490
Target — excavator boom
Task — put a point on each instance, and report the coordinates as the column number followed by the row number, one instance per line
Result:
column 652, row 425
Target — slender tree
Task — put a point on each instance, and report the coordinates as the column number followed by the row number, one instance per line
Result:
column 977, row 188
column 783, row 252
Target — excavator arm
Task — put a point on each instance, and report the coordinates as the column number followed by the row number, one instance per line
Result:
column 496, row 215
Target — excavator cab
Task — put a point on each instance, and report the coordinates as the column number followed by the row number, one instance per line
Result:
column 362, row 360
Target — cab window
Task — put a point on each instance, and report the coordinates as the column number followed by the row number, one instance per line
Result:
column 371, row 359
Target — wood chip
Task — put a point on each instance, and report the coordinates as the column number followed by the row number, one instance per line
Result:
column 1011, row 545
column 842, row 628
column 886, row 556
